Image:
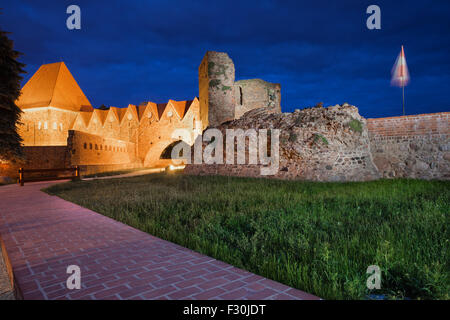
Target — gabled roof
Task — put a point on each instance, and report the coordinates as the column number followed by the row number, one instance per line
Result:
column 133, row 110
column 117, row 113
column 180, row 107
column 53, row 85
column 86, row 116
column 113, row 112
column 101, row 115
column 191, row 105
column 150, row 107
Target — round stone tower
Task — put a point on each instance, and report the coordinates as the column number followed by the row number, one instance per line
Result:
column 216, row 88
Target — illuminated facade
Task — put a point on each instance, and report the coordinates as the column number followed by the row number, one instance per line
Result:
column 57, row 113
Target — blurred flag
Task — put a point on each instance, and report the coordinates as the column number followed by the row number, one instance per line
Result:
column 400, row 73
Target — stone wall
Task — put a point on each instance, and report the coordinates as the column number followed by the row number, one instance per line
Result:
column 320, row 144
column 416, row 146
column 222, row 99
column 254, row 94
column 216, row 79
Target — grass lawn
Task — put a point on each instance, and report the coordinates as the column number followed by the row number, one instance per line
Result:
column 317, row 237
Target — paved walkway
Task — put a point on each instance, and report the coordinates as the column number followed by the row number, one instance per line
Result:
column 127, row 175
column 44, row 234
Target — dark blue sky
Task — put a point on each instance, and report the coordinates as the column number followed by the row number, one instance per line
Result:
column 134, row 51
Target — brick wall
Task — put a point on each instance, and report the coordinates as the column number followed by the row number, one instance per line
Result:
column 89, row 149
column 415, row 146
column 36, row 157
column 45, row 126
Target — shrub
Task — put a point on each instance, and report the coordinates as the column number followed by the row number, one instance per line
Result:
column 214, row 83
column 355, row 125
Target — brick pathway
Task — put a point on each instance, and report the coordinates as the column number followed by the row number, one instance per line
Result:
column 44, row 235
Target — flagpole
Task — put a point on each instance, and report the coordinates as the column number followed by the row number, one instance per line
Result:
column 403, row 90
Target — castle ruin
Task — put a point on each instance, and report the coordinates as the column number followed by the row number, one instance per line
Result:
column 223, row 99
column 60, row 128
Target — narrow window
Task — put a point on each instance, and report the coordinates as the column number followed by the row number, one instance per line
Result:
column 45, row 125
column 85, row 145
column 90, row 146
column 39, row 125
column 241, row 99
column 54, row 126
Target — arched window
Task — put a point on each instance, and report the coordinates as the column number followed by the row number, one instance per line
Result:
column 167, row 152
column 39, row 125
column 85, row 145
column 90, row 146
column 45, row 125
column 55, row 126
column 60, row 127
column 96, row 147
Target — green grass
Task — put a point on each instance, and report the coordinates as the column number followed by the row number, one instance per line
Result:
column 355, row 125
column 317, row 237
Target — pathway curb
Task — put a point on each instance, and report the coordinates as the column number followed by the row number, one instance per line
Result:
column 9, row 289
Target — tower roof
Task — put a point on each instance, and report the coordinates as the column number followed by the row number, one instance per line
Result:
column 53, row 85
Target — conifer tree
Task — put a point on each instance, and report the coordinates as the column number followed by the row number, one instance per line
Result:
column 10, row 77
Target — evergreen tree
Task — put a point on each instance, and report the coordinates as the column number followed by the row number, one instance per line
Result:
column 10, row 77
